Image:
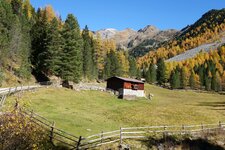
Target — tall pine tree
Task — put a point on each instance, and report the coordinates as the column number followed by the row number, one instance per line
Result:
column 39, row 34
column 54, row 48
column 175, row 79
column 112, row 66
column 192, row 81
column 94, row 54
column 132, row 67
column 72, row 50
column 151, row 74
column 161, row 71
column 106, row 71
column 87, row 54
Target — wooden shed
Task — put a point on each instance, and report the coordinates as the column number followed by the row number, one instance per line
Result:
column 126, row 87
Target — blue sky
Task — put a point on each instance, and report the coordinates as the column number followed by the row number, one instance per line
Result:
column 135, row 14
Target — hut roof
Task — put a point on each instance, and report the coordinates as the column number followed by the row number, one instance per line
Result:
column 127, row 79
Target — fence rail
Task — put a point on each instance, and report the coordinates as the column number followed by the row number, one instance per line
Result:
column 56, row 135
column 118, row 136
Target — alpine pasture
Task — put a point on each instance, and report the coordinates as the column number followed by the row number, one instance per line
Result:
column 90, row 112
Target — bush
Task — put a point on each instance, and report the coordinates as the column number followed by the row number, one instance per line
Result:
column 18, row 131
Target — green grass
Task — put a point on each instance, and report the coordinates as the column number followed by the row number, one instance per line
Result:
column 90, row 112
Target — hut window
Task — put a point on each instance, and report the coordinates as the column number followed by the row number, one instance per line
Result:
column 134, row 87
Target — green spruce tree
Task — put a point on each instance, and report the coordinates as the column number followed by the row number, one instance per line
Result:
column 6, row 21
column 112, row 66
column 192, row 80
column 39, row 33
column 17, row 6
column 132, row 67
column 148, row 76
column 213, row 82
column 115, row 68
column 94, row 68
column 175, row 79
column 106, row 71
column 25, row 50
column 71, row 67
column 54, row 49
column 201, row 75
column 87, row 54
column 207, row 83
column 153, row 73
column 161, row 71
column 183, row 78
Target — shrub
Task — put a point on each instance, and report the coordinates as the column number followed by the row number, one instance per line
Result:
column 20, row 132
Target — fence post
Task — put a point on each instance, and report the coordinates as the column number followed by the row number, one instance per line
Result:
column 52, row 132
column 1, row 100
column 79, row 142
column 165, row 133
column 102, row 137
column 202, row 127
column 183, row 129
column 121, row 136
column 220, row 126
column 9, row 91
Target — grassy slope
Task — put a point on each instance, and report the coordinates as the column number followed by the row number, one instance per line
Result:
column 100, row 111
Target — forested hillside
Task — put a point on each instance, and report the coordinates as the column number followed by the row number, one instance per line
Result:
column 39, row 43
column 15, row 40
column 206, row 70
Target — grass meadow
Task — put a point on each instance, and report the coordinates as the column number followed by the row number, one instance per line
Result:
column 90, row 112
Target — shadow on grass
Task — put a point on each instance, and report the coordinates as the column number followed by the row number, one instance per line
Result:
column 200, row 144
column 213, row 105
column 172, row 142
column 60, row 147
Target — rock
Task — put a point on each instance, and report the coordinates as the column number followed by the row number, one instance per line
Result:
column 124, row 147
column 221, row 143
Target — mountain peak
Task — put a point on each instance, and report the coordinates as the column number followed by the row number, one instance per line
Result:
column 107, row 33
column 149, row 28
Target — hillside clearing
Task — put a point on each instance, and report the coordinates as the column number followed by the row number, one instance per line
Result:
column 89, row 112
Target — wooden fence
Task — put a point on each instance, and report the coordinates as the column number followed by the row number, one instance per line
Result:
column 119, row 136
column 56, row 135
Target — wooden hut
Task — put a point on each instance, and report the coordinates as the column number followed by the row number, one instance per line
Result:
column 127, row 88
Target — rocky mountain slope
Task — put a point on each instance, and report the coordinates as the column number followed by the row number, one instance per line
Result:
column 141, row 40
column 202, row 48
